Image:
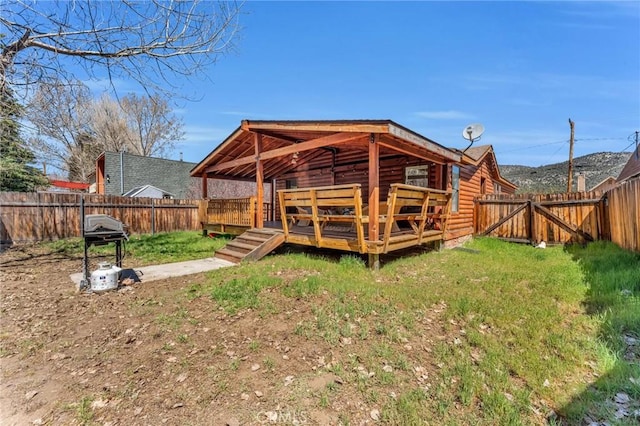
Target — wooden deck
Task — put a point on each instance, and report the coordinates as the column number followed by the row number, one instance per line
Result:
column 346, row 239
column 335, row 217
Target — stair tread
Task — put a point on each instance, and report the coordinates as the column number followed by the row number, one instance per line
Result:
column 225, row 250
column 262, row 238
column 241, row 245
column 231, row 259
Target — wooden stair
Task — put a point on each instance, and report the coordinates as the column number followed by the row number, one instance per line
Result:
column 253, row 244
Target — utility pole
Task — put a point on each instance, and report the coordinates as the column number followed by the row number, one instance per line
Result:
column 570, row 178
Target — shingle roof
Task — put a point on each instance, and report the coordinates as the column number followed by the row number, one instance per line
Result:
column 632, row 168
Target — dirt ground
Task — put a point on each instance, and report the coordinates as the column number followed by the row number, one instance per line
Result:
column 149, row 355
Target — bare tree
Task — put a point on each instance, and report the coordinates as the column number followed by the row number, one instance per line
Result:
column 60, row 114
column 148, row 41
column 72, row 129
column 109, row 125
column 154, row 128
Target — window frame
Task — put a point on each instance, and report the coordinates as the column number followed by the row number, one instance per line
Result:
column 455, row 189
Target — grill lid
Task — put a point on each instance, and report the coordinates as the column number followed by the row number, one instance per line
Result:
column 103, row 224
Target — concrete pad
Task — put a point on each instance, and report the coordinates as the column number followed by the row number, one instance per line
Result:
column 168, row 270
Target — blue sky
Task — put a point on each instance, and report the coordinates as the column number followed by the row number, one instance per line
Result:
column 522, row 69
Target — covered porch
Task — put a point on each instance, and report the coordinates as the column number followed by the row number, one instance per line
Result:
column 366, row 186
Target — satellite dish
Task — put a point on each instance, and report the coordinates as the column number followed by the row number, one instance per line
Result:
column 473, row 132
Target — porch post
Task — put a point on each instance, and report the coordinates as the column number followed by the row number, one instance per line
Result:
column 374, row 197
column 257, row 138
column 205, row 189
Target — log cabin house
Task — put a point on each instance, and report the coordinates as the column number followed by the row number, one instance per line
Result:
column 366, row 186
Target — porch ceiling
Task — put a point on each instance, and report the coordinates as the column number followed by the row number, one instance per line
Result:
column 303, row 145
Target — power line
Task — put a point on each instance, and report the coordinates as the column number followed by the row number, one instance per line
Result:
column 555, row 152
column 629, row 146
column 598, row 139
column 533, row 146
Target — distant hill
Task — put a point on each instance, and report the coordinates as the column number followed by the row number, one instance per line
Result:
column 553, row 177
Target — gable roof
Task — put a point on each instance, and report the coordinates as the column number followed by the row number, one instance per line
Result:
column 475, row 155
column 140, row 189
column 312, row 141
column 606, row 182
column 632, row 168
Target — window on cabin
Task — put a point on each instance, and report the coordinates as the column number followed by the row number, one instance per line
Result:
column 483, row 185
column 497, row 189
column 455, row 188
column 417, row 176
column 291, row 183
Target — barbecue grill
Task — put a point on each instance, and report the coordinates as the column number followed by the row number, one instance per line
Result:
column 101, row 229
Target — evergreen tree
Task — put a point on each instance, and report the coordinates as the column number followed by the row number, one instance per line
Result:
column 15, row 172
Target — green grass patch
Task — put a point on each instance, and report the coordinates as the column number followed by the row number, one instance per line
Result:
column 613, row 298
column 241, row 292
column 150, row 249
column 508, row 326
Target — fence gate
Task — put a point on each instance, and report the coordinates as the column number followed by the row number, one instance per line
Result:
column 553, row 218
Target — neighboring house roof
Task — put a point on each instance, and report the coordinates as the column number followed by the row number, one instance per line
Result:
column 605, row 184
column 632, row 168
column 82, row 186
column 147, row 190
column 475, row 155
column 235, row 156
column 130, row 171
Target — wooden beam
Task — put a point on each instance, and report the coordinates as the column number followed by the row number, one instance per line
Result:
column 572, row 229
column 374, row 187
column 234, row 178
column 311, row 126
column 414, row 151
column 334, row 139
column 257, row 140
column 205, row 190
column 200, row 168
column 531, row 225
column 506, row 218
column 423, row 142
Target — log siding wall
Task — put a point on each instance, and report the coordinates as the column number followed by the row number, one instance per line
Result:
column 392, row 170
column 461, row 223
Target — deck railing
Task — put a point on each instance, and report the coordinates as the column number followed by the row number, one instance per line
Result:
column 319, row 206
column 425, row 211
column 231, row 211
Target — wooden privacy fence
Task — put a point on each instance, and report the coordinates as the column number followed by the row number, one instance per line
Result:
column 30, row 217
column 623, row 204
column 553, row 218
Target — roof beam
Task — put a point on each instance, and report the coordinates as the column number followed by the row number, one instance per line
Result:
column 412, row 151
column 317, row 126
column 334, row 139
column 423, row 142
column 198, row 169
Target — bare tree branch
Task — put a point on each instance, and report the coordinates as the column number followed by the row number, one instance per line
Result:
column 139, row 40
column 73, row 129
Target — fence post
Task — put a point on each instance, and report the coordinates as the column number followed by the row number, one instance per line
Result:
column 40, row 227
column 82, row 215
column 532, row 223
column 153, row 217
